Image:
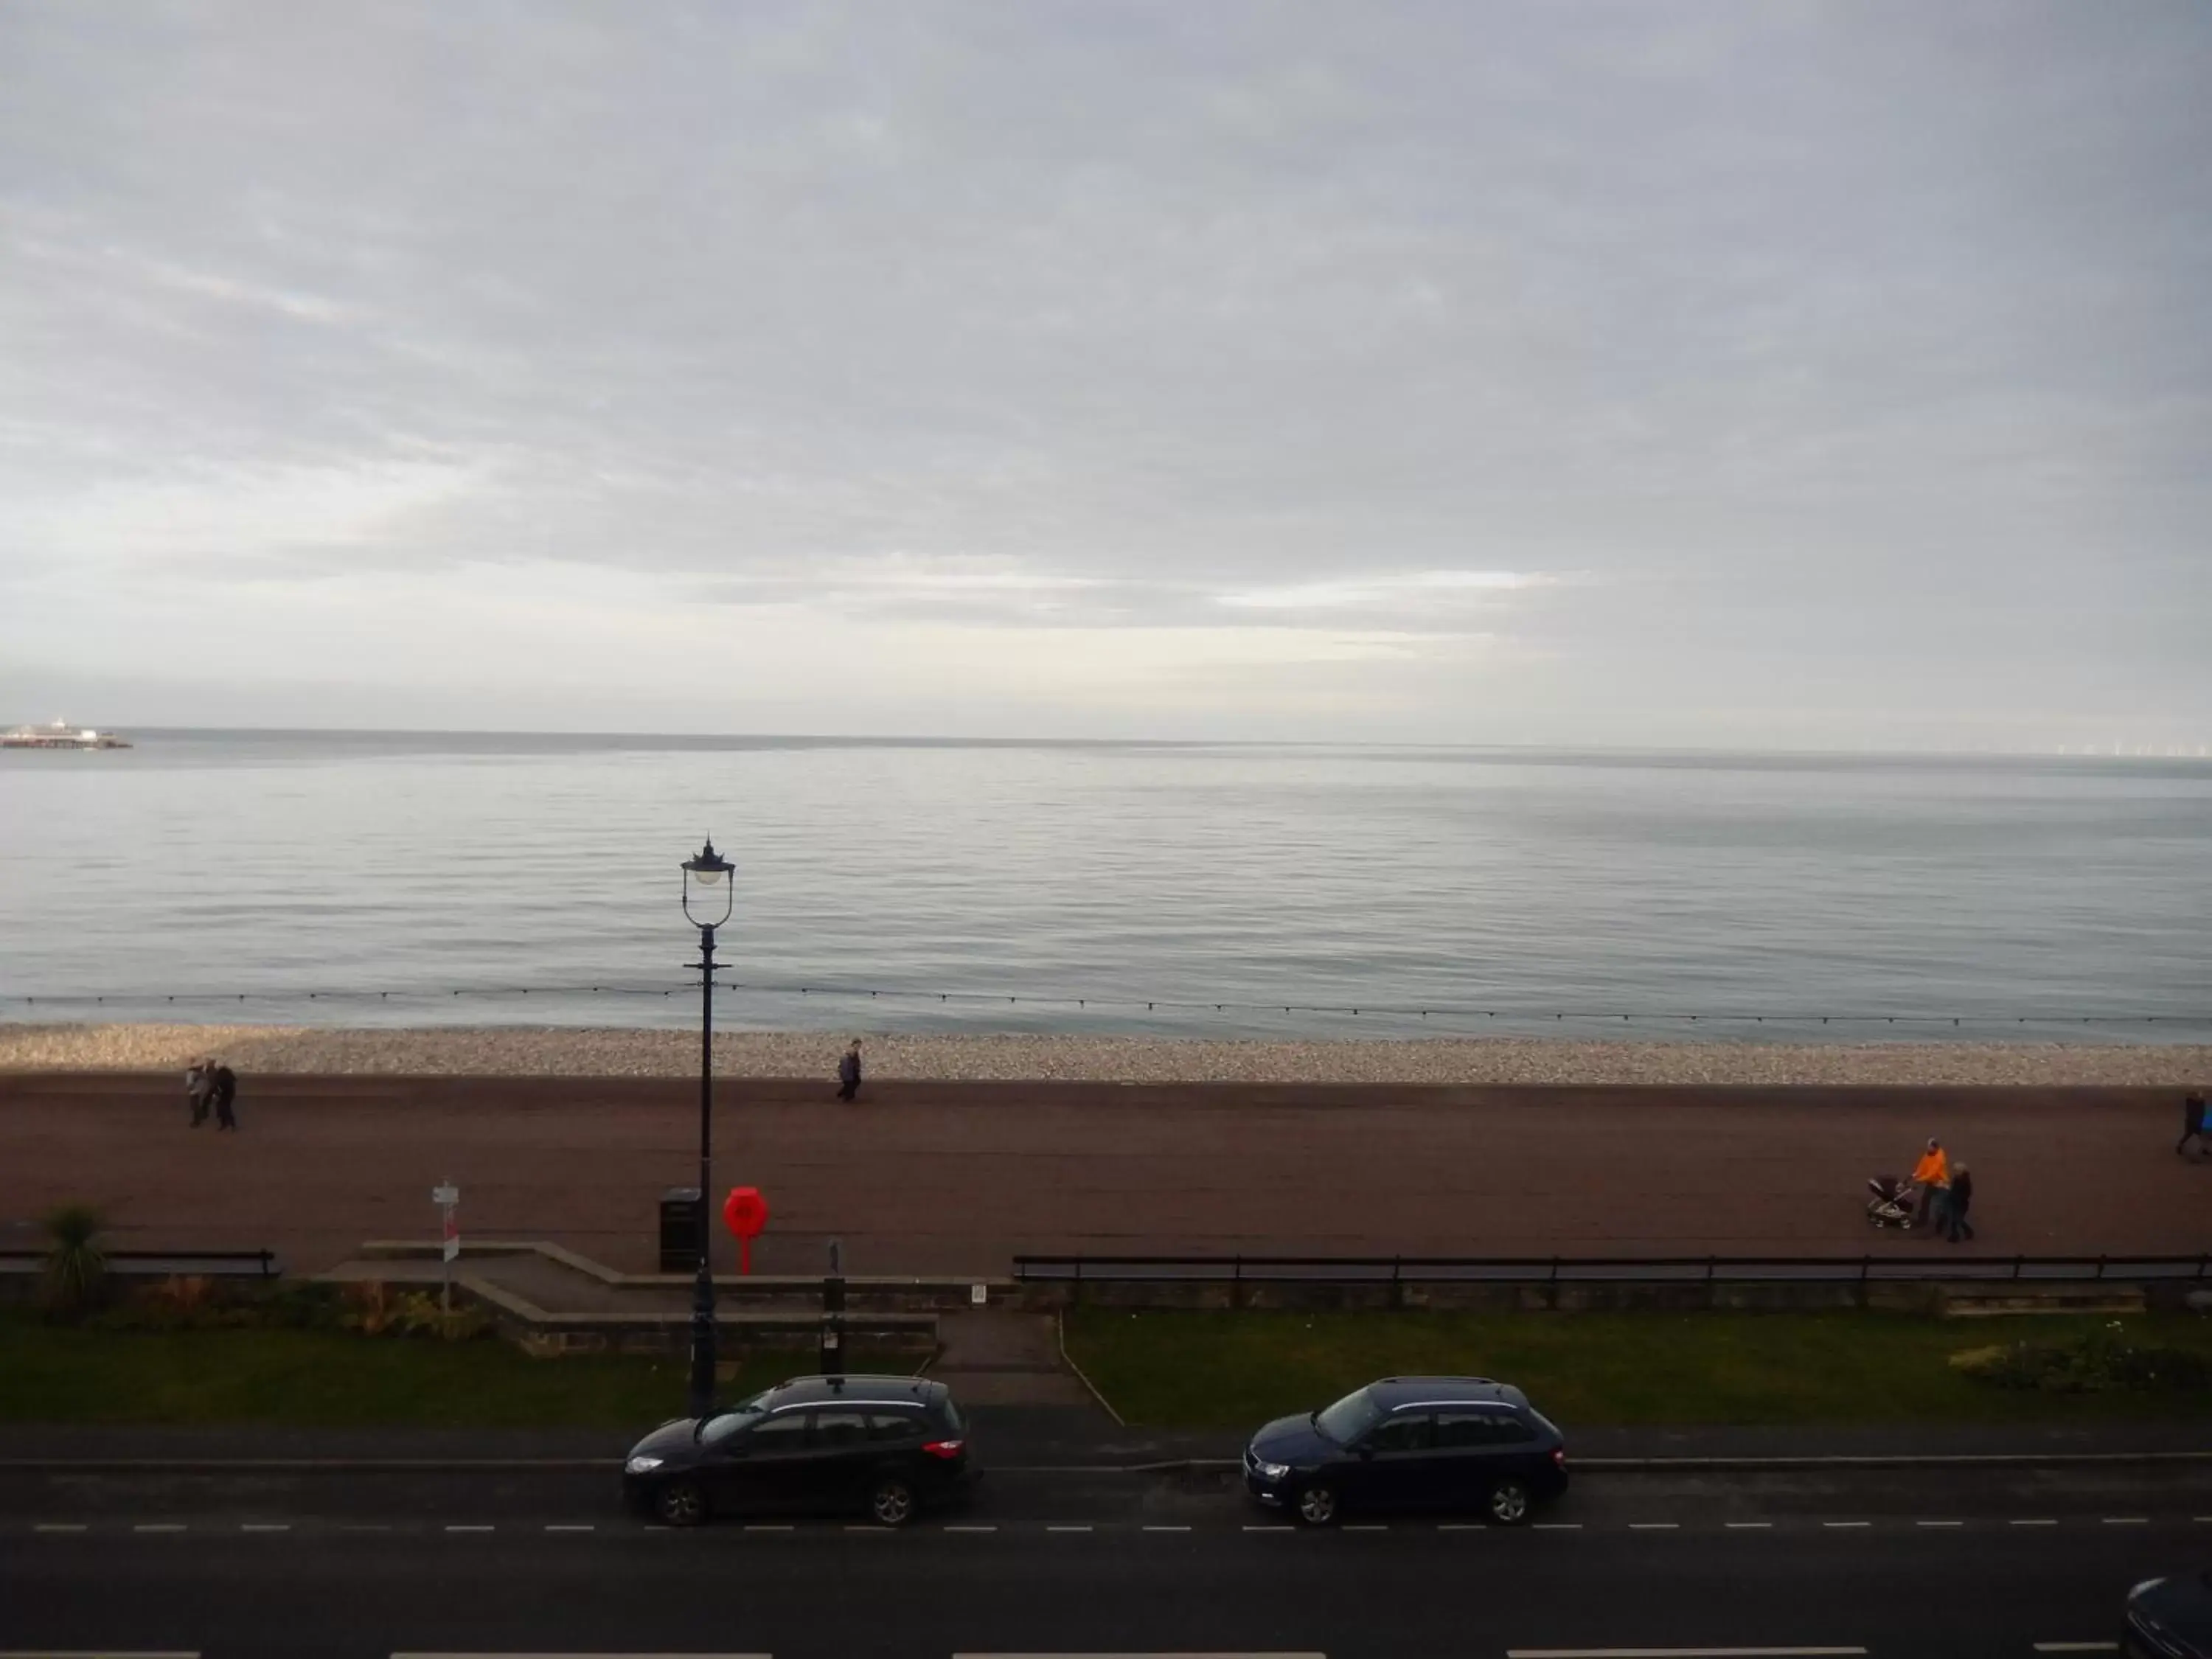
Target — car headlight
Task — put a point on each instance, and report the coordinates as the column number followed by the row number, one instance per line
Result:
column 642, row 1465
column 1270, row 1471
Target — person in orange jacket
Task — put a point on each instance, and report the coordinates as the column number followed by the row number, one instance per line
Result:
column 1932, row 1174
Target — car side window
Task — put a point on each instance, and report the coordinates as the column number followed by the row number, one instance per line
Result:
column 1473, row 1431
column 834, row 1429
column 784, row 1432
column 1406, row 1431
column 896, row 1425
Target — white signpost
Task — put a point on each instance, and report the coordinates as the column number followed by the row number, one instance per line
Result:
column 447, row 1198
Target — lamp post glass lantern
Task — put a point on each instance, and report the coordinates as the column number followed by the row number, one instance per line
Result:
column 708, row 895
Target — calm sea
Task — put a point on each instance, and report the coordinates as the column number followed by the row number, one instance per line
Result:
column 1505, row 892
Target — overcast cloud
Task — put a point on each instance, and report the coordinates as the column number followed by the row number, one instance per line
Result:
column 1766, row 373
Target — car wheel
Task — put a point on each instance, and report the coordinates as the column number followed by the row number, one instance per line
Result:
column 891, row 1503
column 680, row 1503
column 1317, row 1506
column 1508, row 1502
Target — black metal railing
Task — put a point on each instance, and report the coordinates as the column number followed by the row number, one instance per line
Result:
column 1621, row 1270
column 205, row 1264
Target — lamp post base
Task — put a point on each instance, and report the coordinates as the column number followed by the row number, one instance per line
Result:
column 703, row 1359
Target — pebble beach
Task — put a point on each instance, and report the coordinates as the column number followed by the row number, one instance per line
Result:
column 524, row 1051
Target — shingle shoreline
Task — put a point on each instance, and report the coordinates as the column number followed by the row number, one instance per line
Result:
column 529, row 1051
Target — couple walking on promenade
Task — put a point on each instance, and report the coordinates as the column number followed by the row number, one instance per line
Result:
column 1945, row 1193
column 211, row 1083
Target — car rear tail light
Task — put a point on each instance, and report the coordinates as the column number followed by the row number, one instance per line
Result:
column 947, row 1450
column 1559, row 1458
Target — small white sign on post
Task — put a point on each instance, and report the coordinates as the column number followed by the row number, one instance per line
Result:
column 447, row 1197
column 978, row 1294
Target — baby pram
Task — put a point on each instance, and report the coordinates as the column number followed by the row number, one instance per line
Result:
column 1892, row 1204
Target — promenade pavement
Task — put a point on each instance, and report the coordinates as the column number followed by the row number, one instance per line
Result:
column 956, row 1178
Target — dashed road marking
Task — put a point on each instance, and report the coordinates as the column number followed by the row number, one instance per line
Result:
column 1369, row 1526
column 2127, row 1521
column 1846, row 1526
column 455, row 1526
column 969, row 1529
column 768, row 1526
column 1557, row 1526
column 569, row 1526
column 1749, row 1526
column 61, row 1526
column 264, row 1526
column 158, row 1526
column 2033, row 1523
column 1085, row 1527
column 1264, row 1527
column 1681, row 1653
column 1462, row 1526
column 1939, row 1523
column 2077, row 1647
column 1655, row 1526
column 867, row 1526
column 1167, row 1529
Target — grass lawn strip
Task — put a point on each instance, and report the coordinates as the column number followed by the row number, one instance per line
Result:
column 331, row 1379
column 1223, row 1370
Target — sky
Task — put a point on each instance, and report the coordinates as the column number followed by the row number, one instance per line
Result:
column 1772, row 375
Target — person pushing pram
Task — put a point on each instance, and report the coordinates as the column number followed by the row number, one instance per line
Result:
column 1918, row 1201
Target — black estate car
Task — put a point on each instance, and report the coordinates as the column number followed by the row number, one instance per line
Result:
column 884, row 1446
column 2170, row 1618
column 1412, row 1442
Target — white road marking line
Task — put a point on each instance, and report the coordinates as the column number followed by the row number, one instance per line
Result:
column 2077, row 1647
column 1264, row 1528
column 1655, row 1526
column 100, row 1653
column 1939, row 1523
column 158, row 1526
column 1557, row 1526
column 2032, row 1524
column 2201, row 1517
column 866, row 1526
column 969, row 1528
column 547, row 1655
column 1681, row 1653
column 1749, row 1526
column 1368, row 1526
column 1846, row 1526
column 264, row 1526
column 452, row 1526
column 2127, row 1521
column 1462, row 1526
column 569, row 1526
column 1167, row 1529
column 768, row 1526
column 60, row 1526
column 1085, row 1527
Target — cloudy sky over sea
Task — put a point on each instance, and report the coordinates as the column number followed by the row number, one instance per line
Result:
column 1755, row 374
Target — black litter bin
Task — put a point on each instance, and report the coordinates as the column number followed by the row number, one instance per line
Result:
column 680, row 1230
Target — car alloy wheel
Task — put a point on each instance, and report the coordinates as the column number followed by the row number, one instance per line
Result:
column 892, row 1503
column 681, row 1503
column 1317, row 1506
column 1508, row 1502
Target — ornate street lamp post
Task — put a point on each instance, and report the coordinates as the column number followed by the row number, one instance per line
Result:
column 707, row 895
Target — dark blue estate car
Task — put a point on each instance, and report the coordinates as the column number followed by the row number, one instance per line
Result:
column 886, row 1446
column 2170, row 1618
column 1412, row 1442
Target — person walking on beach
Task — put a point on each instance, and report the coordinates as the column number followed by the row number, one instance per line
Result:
column 2192, row 1123
column 1957, row 1202
column 199, row 1087
column 1932, row 1174
column 848, row 1072
column 226, row 1096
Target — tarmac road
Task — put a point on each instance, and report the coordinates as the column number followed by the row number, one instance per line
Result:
column 1978, row 1562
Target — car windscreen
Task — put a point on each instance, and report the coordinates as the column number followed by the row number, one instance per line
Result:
column 1350, row 1418
column 721, row 1426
